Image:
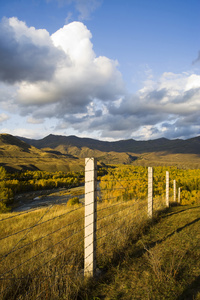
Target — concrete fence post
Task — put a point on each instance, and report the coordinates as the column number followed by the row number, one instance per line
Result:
column 167, row 188
column 179, row 195
column 90, row 216
column 174, row 185
column 150, row 192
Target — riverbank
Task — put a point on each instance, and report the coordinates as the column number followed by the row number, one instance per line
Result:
column 37, row 199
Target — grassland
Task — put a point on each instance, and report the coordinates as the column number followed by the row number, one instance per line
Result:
column 164, row 263
column 138, row 259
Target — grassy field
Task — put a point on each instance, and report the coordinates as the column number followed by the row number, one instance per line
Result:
column 164, row 263
column 138, row 259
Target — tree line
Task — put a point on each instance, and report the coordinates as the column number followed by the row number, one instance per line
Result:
column 131, row 182
column 15, row 183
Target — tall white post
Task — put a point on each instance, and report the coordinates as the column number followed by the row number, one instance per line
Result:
column 90, row 216
column 167, row 188
column 174, row 184
column 179, row 195
column 150, row 192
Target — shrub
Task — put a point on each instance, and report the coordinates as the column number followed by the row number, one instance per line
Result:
column 73, row 201
column 6, row 198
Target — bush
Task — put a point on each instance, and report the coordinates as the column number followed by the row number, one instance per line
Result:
column 73, row 201
column 6, row 198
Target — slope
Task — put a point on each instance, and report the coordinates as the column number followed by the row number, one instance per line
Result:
column 185, row 154
column 163, row 264
column 190, row 146
column 15, row 154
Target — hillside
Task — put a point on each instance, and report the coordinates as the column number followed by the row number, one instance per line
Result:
column 190, row 146
column 162, row 264
column 16, row 154
column 62, row 153
column 153, row 152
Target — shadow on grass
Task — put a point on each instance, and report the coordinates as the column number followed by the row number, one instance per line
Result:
column 180, row 211
column 151, row 245
column 136, row 250
column 191, row 291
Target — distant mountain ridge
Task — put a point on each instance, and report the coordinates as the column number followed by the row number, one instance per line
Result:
column 16, row 154
column 190, row 146
column 67, row 153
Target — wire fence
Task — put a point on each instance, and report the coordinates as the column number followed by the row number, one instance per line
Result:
column 42, row 249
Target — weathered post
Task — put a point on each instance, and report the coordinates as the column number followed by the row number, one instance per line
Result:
column 179, row 195
column 150, row 192
column 174, row 185
column 90, row 216
column 167, row 188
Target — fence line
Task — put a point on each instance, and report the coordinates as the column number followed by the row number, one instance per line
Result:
column 92, row 231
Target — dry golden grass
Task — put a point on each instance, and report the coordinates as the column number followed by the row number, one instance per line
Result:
column 47, row 260
column 43, row 243
column 46, row 257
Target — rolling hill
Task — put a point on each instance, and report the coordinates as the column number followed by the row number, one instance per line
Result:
column 190, row 146
column 16, row 154
column 67, row 153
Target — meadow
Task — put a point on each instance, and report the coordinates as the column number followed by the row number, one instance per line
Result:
column 42, row 250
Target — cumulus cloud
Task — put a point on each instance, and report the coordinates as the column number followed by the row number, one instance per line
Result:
column 76, row 84
column 169, row 108
column 26, row 53
column 174, row 99
column 61, row 78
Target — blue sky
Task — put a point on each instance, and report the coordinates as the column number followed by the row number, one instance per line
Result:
column 106, row 69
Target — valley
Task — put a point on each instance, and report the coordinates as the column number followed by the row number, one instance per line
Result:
column 62, row 153
column 44, row 198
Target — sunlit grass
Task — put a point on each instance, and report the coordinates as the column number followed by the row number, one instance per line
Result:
column 35, row 247
column 132, row 254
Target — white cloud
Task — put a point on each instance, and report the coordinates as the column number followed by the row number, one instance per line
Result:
column 59, row 77
column 32, row 120
column 23, row 132
column 78, row 80
column 26, row 53
column 173, row 99
column 3, row 117
column 84, row 7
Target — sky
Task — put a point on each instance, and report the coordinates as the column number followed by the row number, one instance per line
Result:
column 104, row 69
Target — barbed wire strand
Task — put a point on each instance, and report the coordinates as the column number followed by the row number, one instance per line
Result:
column 42, row 222
column 110, row 215
column 44, row 263
column 117, row 212
column 33, row 209
column 40, row 253
column 113, row 205
column 36, row 224
column 108, row 223
column 126, row 180
column 48, row 249
column 25, row 212
column 12, row 251
column 48, row 235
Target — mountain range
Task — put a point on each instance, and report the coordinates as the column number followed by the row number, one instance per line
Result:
column 67, row 153
column 133, row 146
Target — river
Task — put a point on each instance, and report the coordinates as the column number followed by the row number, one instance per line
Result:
column 37, row 199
